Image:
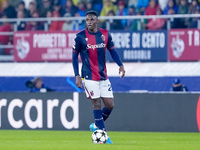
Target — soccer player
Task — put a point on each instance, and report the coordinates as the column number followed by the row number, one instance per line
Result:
column 92, row 43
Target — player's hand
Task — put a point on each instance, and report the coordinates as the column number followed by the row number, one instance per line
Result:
column 121, row 71
column 78, row 82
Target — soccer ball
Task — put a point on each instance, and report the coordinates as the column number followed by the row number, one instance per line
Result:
column 99, row 137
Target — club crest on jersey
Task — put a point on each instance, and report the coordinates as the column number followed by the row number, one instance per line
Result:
column 91, row 93
column 103, row 37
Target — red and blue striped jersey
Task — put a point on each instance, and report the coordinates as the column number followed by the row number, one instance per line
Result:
column 92, row 48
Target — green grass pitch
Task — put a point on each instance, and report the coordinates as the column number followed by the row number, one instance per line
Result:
column 81, row 140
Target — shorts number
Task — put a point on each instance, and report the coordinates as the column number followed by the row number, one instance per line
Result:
column 110, row 87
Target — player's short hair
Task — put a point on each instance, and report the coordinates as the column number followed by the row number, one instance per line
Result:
column 91, row 12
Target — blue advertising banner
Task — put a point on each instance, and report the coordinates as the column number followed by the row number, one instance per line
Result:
column 144, row 46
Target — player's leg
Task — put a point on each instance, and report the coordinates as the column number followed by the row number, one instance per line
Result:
column 99, row 122
column 108, row 100
column 109, row 104
column 108, row 107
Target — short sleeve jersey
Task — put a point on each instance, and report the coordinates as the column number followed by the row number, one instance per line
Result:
column 92, row 48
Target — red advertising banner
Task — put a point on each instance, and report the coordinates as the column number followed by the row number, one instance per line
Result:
column 39, row 46
column 184, row 44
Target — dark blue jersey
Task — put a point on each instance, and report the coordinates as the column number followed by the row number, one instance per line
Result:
column 92, row 48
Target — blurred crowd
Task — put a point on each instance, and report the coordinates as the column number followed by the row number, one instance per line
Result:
column 77, row 8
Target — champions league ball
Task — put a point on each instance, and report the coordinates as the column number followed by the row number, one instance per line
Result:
column 99, row 137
